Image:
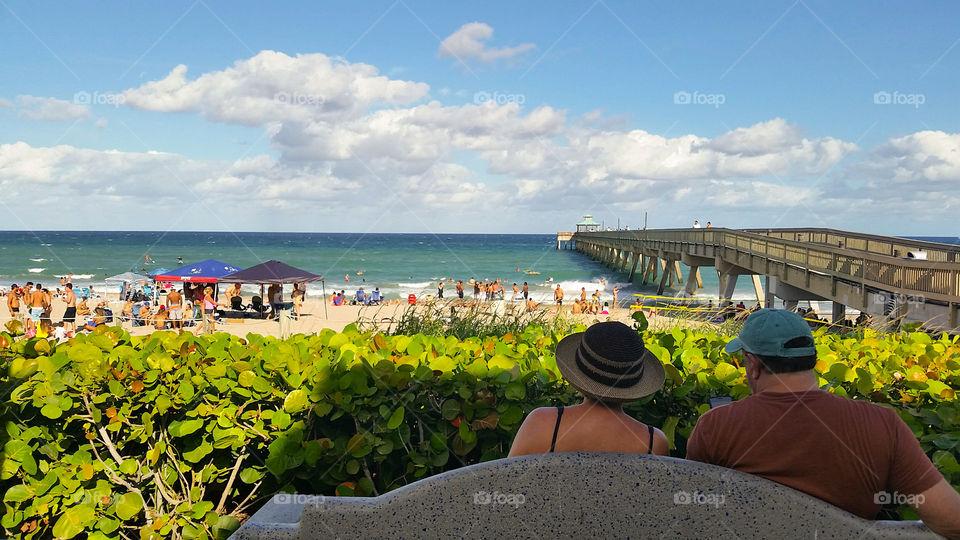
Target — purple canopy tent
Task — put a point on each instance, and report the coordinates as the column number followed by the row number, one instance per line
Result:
column 275, row 272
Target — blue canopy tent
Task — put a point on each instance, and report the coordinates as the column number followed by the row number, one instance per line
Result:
column 208, row 271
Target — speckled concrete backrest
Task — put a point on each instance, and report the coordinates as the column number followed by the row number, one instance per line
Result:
column 574, row 495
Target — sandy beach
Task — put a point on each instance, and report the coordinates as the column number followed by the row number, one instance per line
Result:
column 316, row 317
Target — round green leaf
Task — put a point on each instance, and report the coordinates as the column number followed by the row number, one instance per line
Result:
column 74, row 521
column 247, row 378
column 51, row 411
column 129, row 505
column 295, row 401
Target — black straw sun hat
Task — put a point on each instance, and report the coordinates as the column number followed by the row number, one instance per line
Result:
column 609, row 363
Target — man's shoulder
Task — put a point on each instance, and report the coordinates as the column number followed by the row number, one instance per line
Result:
column 817, row 398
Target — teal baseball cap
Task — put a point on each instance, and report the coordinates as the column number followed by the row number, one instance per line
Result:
column 767, row 332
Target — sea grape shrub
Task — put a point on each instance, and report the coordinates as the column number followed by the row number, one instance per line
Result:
column 182, row 436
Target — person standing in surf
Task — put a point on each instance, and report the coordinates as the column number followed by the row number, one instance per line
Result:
column 440, row 290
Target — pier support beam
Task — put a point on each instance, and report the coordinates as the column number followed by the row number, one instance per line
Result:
column 839, row 312
column 758, row 288
column 692, row 280
column 728, row 282
column 633, row 269
column 667, row 273
column 768, row 297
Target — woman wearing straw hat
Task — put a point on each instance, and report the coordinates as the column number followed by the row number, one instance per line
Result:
column 609, row 366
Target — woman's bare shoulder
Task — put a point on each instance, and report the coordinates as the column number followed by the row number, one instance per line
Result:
column 534, row 434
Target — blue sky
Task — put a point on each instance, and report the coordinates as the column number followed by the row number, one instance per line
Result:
column 801, row 73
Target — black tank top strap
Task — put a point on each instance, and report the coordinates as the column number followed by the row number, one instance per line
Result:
column 556, row 428
column 650, row 448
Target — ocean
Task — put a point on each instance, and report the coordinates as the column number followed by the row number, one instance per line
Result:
column 399, row 264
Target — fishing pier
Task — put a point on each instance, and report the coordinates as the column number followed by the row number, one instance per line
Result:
column 883, row 276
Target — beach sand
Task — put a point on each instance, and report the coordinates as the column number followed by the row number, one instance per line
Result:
column 316, row 317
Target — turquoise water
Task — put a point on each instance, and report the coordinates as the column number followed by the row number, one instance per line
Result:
column 399, row 264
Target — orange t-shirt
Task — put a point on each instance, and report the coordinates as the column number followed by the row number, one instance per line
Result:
column 837, row 449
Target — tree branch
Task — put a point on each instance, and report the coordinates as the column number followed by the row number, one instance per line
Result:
column 233, row 476
column 104, row 436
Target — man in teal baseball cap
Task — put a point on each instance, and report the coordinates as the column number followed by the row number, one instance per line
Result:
column 780, row 335
column 853, row 454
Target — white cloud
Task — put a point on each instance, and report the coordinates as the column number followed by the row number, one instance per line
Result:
column 5, row 103
column 274, row 87
column 379, row 139
column 350, row 145
column 48, row 109
column 922, row 159
column 468, row 43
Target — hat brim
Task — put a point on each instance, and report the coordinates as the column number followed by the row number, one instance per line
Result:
column 651, row 382
column 733, row 346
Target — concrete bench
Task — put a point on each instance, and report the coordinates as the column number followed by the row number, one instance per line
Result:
column 574, row 495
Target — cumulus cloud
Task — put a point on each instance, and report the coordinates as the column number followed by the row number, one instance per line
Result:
column 469, row 43
column 346, row 138
column 920, row 158
column 5, row 103
column 48, row 109
column 273, row 87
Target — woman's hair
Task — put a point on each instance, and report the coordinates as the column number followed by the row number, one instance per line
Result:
column 208, row 290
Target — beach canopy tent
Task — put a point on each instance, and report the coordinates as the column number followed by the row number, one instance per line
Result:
column 125, row 281
column 209, row 271
column 274, row 272
column 271, row 272
column 158, row 271
column 127, row 277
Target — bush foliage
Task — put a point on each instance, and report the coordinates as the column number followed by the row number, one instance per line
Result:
column 110, row 435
